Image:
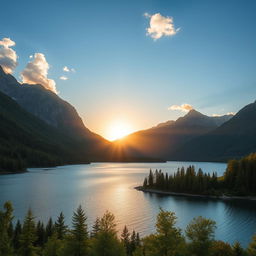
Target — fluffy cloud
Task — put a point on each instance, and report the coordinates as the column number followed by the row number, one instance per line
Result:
column 184, row 107
column 66, row 69
column 8, row 57
column 228, row 114
column 160, row 26
column 36, row 72
column 63, row 78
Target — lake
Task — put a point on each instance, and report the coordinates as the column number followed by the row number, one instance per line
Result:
column 110, row 186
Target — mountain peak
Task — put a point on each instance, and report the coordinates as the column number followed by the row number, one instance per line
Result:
column 194, row 114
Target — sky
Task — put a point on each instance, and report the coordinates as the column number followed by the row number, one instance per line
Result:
column 135, row 62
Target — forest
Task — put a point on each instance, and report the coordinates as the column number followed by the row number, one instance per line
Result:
column 34, row 238
column 238, row 180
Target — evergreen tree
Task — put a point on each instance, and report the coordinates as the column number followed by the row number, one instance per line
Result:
column 252, row 247
column 95, row 227
column 60, row 227
column 53, row 246
column 150, row 179
column 237, row 249
column 28, row 236
column 79, row 238
column 125, row 237
column 40, row 233
column 16, row 235
column 49, row 228
column 5, row 222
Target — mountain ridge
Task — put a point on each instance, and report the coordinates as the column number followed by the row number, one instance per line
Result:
column 162, row 140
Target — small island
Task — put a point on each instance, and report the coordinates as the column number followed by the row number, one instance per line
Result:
column 238, row 181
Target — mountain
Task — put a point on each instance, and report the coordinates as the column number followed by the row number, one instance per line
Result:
column 46, row 105
column 56, row 112
column 233, row 139
column 25, row 140
column 163, row 140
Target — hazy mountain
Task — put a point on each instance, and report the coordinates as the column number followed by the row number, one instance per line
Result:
column 25, row 140
column 233, row 139
column 46, row 105
column 163, row 140
column 56, row 112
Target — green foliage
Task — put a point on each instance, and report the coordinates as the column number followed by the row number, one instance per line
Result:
column 183, row 181
column 5, row 222
column 220, row 248
column 26, row 141
column 60, row 227
column 239, row 179
column 77, row 241
column 200, row 233
column 53, row 246
column 168, row 240
column 28, row 236
column 30, row 239
column 240, row 176
column 238, row 250
column 252, row 247
column 106, row 242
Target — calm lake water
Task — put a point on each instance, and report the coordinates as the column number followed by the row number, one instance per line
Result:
column 110, row 186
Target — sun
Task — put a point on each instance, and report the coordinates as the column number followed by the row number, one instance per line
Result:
column 118, row 130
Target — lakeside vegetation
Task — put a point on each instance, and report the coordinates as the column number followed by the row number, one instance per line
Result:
column 238, row 180
column 31, row 238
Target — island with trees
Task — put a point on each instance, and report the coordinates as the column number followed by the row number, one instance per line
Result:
column 238, row 181
column 35, row 238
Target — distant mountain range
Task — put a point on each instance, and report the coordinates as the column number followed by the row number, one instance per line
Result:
column 233, row 139
column 163, row 140
column 41, row 129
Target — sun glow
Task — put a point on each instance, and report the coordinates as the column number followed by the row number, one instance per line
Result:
column 118, row 130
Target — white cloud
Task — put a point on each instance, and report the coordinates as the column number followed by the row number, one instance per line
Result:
column 63, row 78
column 36, row 72
column 184, row 107
column 228, row 114
column 8, row 57
column 66, row 69
column 160, row 26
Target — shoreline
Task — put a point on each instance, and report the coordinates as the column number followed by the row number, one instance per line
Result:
column 15, row 172
column 168, row 193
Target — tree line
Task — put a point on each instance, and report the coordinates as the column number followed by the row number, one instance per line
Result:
column 238, row 179
column 31, row 238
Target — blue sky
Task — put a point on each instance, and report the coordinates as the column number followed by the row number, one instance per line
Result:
column 123, row 73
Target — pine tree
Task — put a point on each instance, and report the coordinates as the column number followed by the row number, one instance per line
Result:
column 79, row 233
column 95, row 227
column 150, row 179
column 238, row 249
column 60, row 227
column 133, row 241
column 5, row 222
column 49, row 228
column 251, row 251
column 16, row 235
column 40, row 233
column 28, row 236
column 125, row 237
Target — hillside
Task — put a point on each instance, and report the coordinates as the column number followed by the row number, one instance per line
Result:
column 27, row 141
column 163, row 140
column 233, row 139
